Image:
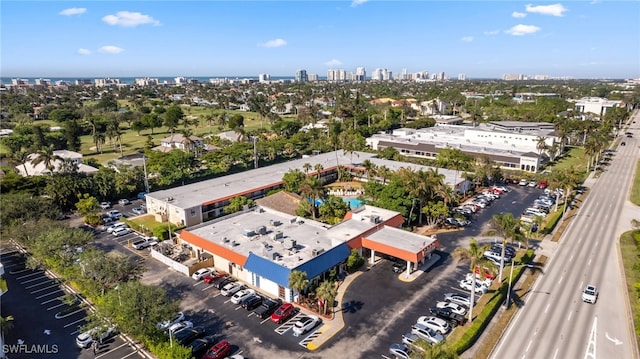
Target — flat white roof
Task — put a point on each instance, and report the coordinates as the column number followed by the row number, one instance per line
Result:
column 241, row 233
column 398, row 238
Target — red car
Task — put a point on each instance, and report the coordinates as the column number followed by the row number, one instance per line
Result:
column 213, row 276
column 283, row 313
column 218, row 351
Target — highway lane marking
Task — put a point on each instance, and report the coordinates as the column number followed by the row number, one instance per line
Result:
column 571, row 259
column 528, row 346
column 569, row 317
column 589, row 261
column 547, row 308
column 555, row 354
column 561, row 278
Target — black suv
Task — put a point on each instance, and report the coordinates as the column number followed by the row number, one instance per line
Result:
column 267, row 307
column 251, row 302
column 186, row 335
column 448, row 315
column 221, row 282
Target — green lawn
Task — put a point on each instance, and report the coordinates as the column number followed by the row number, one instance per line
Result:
column 574, row 158
column 635, row 190
column 630, row 259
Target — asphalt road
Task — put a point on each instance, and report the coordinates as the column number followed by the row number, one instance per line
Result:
column 554, row 322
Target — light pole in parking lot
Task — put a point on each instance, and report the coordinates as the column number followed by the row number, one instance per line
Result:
column 506, row 304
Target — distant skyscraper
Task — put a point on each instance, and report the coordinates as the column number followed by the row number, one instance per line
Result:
column 264, row 78
column 462, row 77
column 301, row 76
column 381, row 75
column 361, row 74
column 336, row 75
column 312, row 77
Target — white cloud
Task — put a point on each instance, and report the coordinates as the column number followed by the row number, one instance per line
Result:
column 355, row 3
column 467, row 38
column 492, row 32
column 333, row 62
column 73, row 11
column 518, row 15
column 274, row 43
column 110, row 49
column 82, row 51
column 520, row 30
column 553, row 10
column 129, row 19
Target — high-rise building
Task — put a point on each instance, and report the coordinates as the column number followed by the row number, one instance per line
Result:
column 381, row 75
column 361, row 74
column 336, row 75
column 462, row 77
column 264, row 78
column 312, row 77
column 301, row 76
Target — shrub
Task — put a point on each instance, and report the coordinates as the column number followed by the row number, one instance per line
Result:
column 354, row 261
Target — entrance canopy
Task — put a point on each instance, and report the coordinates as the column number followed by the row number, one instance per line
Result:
column 400, row 244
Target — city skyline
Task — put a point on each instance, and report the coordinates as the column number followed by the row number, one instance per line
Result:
column 220, row 38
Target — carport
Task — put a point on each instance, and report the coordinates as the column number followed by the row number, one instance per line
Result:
column 413, row 248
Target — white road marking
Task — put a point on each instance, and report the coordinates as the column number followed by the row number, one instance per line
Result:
column 28, row 275
column 591, row 346
column 76, row 322
column 31, row 280
column 589, row 262
column 571, row 259
column 528, row 346
column 118, row 347
column 56, row 306
column 569, row 317
column 561, row 278
column 51, row 300
column 209, row 287
column 48, row 294
column 45, row 288
column 555, row 354
column 547, row 308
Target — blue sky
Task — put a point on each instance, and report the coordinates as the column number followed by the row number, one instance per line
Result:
column 580, row 39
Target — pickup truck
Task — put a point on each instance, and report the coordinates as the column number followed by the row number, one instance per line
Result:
column 145, row 242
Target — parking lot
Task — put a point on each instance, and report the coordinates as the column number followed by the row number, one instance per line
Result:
column 45, row 326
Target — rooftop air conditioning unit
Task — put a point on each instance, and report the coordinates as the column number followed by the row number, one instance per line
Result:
column 225, row 240
column 375, row 219
column 317, row 251
column 277, row 235
column 248, row 233
column 289, row 243
column 261, row 230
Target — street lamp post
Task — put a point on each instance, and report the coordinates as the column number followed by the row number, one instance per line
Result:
column 509, row 290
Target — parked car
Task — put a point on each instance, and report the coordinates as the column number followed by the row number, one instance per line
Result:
column 198, row 346
column 283, row 313
column 449, row 315
column 426, row 333
column 121, row 231
column 399, row 266
column 590, row 294
column 251, row 302
column 138, row 210
column 231, row 289
column 221, row 282
column 523, row 182
column 458, row 298
column 267, row 307
column 142, row 195
column 532, row 184
column 114, row 214
column 169, row 322
column 179, row 326
column 201, row 273
column 213, row 276
column 218, row 351
column 241, row 294
column 623, row 143
column 114, row 226
column 123, row 202
column 145, row 242
column 484, row 281
column 105, row 205
column 102, row 333
column 399, row 351
column 305, row 324
column 187, row 335
column 437, row 324
column 467, row 284
column 456, row 308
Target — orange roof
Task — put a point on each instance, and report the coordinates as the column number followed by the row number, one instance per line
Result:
column 214, row 248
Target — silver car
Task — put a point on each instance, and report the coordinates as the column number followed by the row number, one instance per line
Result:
column 426, row 333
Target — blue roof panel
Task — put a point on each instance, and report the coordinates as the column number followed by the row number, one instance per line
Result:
column 268, row 269
column 325, row 261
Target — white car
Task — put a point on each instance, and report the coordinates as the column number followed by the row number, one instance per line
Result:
column 305, row 324
column 456, row 308
column 201, row 273
column 231, row 289
column 105, row 205
column 484, row 281
column 241, row 294
column 115, row 226
column 179, row 326
column 124, row 202
column 138, row 210
column 84, row 340
column 590, row 294
column 458, row 298
column 523, row 182
column 121, row 231
column 467, row 284
column 115, row 214
column 169, row 322
column 426, row 333
column 145, row 242
column 435, row 323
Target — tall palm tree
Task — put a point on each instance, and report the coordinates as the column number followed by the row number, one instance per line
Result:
column 187, row 141
column 474, row 254
column 298, row 281
column 307, row 167
column 327, row 292
column 21, row 158
column 370, row 169
column 46, row 157
column 6, row 324
column 507, row 226
column 410, row 181
column 541, row 144
column 318, row 168
column 313, row 189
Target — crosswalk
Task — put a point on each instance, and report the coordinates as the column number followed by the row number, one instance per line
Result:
column 305, row 342
column 288, row 324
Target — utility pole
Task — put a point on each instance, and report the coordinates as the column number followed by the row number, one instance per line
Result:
column 146, row 178
column 255, row 152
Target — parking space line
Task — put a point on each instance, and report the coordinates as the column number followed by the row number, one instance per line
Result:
column 26, row 275
column 198, row 283
column 304, row 342
column 51, row 300
column 288, row 324
column 45, row 288
column 128, row 355
column 76, row 322
column 48, row 294
column 209, row 287
column 56, row 306
column 68, row 314
column 238, row 307
column 31, row 280
column 74, row 333
column 118, row 347
column 35, row 285
column 264, row 320
column 250, row 314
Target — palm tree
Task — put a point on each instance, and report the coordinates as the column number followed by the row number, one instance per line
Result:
column 46, row 157
column 410, row 182
column 384, row 172
column 307, row 167
column 313, row 189
column 21, row 157
column 326, row 292
column 298, row 281
column 475, row 255
column 370, row 169
column 435, row 351
column 187, row 141
column 318, row 168
column 541, row 144
column 6, row 324
column 508, row 227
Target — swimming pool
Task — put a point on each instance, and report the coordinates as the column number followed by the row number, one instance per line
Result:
column 353, row 202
